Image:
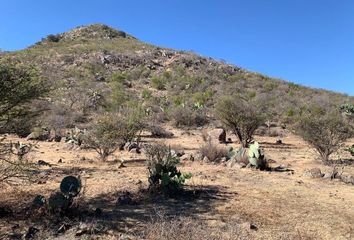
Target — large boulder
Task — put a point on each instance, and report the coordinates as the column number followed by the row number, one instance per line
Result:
column 216, row 135
column 40, row 134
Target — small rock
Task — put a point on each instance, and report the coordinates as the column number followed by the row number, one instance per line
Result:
column 135, row 150
column 5, row 212
column 98, row 212
column 218, row 134
column 348, row 179
column 43, row 163
column 249, row 226
column 198, row 157
column 314, row 173
column 31, row 232
column 279, row 141
column 125, row 199
column 41, row 181
column 239, row 165
column 205, row 159
column 60, row 160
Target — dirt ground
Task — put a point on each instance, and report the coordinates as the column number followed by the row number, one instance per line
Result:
column 282, row 205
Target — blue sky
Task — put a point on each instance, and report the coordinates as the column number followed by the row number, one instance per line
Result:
column 310, row 42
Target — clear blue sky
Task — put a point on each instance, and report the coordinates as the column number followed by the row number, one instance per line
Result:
column 310, row 42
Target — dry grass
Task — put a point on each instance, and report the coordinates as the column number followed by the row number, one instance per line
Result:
column 217, row 202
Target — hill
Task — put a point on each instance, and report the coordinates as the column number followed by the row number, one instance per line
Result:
column 96, row 67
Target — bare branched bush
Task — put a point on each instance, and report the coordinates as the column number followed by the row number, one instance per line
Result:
column 241, row 116
column 187, row 117
column 213, row 152
column 113, row 130
column 15, row 164
column 326, row 132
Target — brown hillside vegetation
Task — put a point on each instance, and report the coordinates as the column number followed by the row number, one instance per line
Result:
column 103, row 136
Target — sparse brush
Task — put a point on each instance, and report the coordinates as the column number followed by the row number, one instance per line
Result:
column 213, row 152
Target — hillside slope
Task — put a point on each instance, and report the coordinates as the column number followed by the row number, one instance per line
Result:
column 95, row 66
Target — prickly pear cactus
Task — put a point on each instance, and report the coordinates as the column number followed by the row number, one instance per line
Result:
column 256, row 157
column 38, row 201
column 70, row 186
column 351, row 150
column 58, row 201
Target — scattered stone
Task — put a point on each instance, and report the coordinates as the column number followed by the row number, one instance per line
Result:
column 249, row 226
column 40, row 134
column 60, row 160
column 41, row 181
column 57, row 138
column 83, row 228
column 135, row 150
column 348, row 179
column 279, row 141
column 205, row 159
column 63, row 228
column 5, row 212
column 43, row 163
column 31, row 232
column 218, row 134
column 130, row 146
column 98, row 212
column 125, row 199
column 198, row 157
column 239, row 165
column 314, row 173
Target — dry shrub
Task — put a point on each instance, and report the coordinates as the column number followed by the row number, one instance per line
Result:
column 15, row 163
column 158, row 131
column 187, row 117
column 187, row 228
column 213, row 152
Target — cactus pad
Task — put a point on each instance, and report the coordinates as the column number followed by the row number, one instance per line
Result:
column 70, row 186
column 58, row 201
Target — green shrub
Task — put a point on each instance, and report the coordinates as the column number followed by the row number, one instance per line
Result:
column 159, row 82
column 241, row 116
column 146, row 94
column 326, row 132
column 19, row 86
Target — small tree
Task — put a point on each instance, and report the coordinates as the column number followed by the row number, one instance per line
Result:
column 113, row 130
column 241, row 116
column 105, row 136
column 14, row 162
column 19, row 86
column 326, row 132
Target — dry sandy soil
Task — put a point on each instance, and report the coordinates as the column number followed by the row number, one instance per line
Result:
column 282, row 205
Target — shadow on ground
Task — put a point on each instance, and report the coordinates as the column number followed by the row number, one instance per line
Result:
column 104, row 211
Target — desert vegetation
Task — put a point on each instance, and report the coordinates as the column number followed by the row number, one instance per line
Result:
column 104, row 136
